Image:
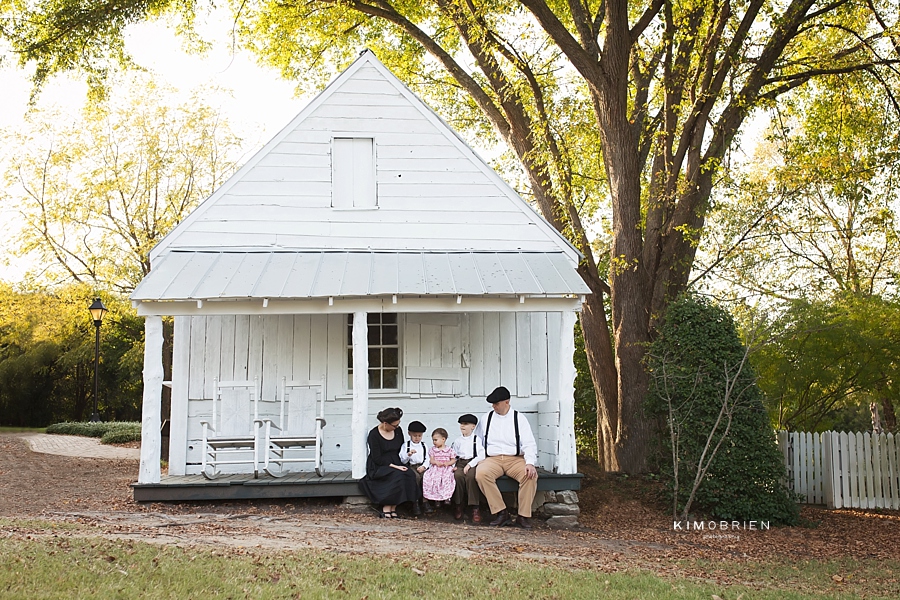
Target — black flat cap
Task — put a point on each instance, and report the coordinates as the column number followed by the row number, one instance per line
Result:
column 417, row 427
column 469, row 419
column 498, row 395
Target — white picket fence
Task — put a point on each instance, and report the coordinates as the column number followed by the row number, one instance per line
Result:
column 843, row 470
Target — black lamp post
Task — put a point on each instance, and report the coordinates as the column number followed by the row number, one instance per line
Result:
column 97, row 311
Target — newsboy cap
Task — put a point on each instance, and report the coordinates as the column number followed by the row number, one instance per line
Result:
column 417, row 427
column 469, row 419
column 498, row 395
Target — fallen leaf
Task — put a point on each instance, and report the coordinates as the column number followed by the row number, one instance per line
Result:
column 418, row 572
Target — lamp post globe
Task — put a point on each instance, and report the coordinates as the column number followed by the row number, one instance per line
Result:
column 97, row 311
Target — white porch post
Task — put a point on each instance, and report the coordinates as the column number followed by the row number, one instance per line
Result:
column 359, row 421
column 567, row 452
column 151, row 440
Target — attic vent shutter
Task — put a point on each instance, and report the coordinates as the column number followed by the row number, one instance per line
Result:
column 353, row 173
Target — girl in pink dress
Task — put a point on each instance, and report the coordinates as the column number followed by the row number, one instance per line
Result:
column 438, row 482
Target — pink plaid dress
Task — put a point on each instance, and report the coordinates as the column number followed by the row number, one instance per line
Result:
column 438, row 483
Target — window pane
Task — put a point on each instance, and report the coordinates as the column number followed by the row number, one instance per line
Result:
column 374, row 357
column 390, row 378
column 389, row 318
column 350, row 358
column 349, row 319
column 374, row 379
column 373, row 318
column 350, row 379
column 390, row 358
column 374, row 335
column 389, row 335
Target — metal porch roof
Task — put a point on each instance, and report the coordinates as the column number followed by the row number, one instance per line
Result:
column 204, row 275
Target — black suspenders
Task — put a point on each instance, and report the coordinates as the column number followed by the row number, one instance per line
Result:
column 474, row 446
column 487, row 429
column 424, row 450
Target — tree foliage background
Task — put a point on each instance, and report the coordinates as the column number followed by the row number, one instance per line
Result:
column 47, row 357
column 97, row 191
column 631, row 108
column 806, row 238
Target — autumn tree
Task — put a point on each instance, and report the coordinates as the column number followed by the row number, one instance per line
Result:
column 817, row 201
column 97, row 191
column 638, row 102
column 810, row 235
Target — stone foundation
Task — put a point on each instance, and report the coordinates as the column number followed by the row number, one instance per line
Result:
column 560, row 509
column 356, row 503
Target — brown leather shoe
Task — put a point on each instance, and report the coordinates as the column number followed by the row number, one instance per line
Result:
column 458, row 512
column 476, row 515
column 502, row 518
column 523, row 522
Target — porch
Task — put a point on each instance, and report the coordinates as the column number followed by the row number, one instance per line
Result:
column 179, row 488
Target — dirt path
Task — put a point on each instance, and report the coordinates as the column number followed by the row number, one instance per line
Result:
column 92, row 497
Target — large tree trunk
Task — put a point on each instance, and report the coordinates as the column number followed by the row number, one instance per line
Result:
column 627, row 276
column 601, row 362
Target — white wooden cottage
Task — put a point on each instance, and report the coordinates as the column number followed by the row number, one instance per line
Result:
column 367, row 212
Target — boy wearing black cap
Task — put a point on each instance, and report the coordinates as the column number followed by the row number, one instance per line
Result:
column 510, row 449
column 414, row 454
column 469, row 451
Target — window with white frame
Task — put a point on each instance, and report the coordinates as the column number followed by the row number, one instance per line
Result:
column 384, row 351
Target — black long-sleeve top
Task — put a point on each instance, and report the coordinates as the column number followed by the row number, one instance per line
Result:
column 382, row 452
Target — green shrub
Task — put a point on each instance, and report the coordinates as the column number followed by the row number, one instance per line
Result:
column 690, row 362
column 114, row 432
column 122, row 435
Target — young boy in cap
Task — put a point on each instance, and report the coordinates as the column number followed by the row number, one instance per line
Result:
column 469, row 451
column 414, row 454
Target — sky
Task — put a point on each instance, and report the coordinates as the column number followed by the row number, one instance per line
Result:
column 260, row 96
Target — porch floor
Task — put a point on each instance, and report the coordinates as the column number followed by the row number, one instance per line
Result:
column 179, row 488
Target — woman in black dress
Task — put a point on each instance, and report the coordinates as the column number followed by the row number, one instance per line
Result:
column 387, row 482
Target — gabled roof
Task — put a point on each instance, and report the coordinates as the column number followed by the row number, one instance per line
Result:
column 435, row 194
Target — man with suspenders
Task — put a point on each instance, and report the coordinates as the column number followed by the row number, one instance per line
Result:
column 511, row 450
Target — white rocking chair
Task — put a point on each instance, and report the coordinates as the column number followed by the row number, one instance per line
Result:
column 297, row 437
column 230, row 436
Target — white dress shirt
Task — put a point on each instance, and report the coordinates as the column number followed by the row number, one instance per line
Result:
column 416, row 460
column 463, row 448
column 501, row 437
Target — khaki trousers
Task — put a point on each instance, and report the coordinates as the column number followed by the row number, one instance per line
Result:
column 493, row 467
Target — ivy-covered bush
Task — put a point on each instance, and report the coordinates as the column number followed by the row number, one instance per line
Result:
column 693, row 362
column 114, row 432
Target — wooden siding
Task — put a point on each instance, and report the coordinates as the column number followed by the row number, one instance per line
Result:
column 433, row 193
column 443, row 356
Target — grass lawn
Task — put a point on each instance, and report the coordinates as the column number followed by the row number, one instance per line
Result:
column 78, row 567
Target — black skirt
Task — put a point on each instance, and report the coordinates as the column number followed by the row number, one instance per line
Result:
column 387, row 485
